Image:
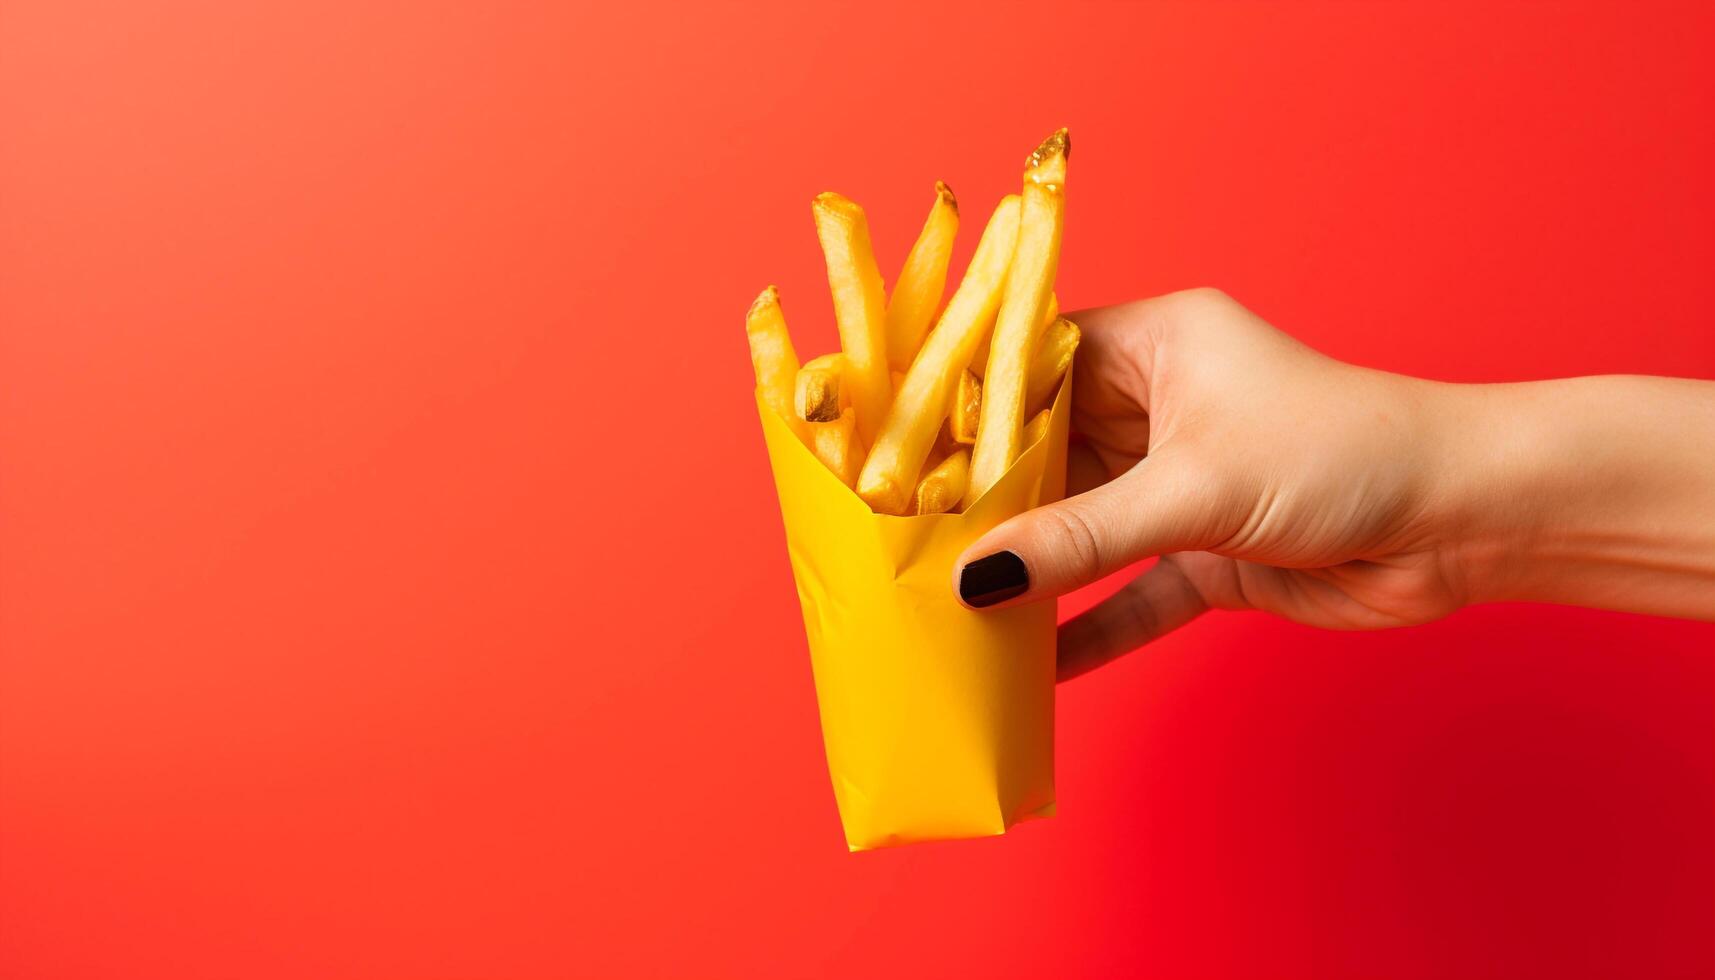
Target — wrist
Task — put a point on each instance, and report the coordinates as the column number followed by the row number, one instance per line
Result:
column 1590, row 491
column 1492, row 463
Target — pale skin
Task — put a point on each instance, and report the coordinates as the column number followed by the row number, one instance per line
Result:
column 1268, row 476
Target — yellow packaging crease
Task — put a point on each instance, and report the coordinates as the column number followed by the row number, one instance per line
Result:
column 938, row 721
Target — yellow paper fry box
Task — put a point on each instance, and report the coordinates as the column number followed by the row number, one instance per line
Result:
column 938, row 720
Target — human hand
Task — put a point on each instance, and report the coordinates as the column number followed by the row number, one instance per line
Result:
column 1271, row 477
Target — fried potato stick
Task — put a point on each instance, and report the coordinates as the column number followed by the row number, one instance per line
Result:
column 836, row 445
column 860, row 308
column 817, row 391
column 1029, row 284
column 967, row 408
column 772, row 357
column 1048, row 365
column 980, row 360
column 896, row 456
column 917, row 292
column 940, row 489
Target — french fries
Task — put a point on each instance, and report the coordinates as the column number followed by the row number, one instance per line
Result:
column 835, row 444
column 967, row 408
column 940, row 409
column 1029, row 284
column 772, row 356
column 897, row 453
column 917, row 291
column 860, row 309
column 1053, row 356
column 817, row 391
column 980, row 360
column 940, row 489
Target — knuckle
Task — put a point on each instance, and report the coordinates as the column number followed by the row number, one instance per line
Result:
column 1204, row 298
column 1193, row 309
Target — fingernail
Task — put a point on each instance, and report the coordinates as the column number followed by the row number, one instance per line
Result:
column 993, row 578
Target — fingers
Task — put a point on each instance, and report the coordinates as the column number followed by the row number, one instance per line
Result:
column 1157, row 602
column 1160, row 505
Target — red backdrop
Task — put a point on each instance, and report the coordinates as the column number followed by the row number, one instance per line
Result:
column 391, row 583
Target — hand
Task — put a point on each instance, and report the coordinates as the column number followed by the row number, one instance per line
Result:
column 1271, row 477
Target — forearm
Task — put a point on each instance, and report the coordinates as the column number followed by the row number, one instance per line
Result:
column 1588, row 491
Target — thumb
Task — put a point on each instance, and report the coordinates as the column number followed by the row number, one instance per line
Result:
column 1161, row 505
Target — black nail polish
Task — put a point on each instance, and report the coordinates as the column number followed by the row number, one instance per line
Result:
column 993, row 578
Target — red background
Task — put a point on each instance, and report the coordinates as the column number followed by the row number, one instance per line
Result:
column 391, row 583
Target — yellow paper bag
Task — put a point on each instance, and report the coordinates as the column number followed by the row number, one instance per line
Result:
column 938, row 721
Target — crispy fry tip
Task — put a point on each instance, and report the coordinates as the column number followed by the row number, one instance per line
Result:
column 834, row 203
column 768, row 297
column 881, row 494
column 1059, row 144
column 1046, row 166
column 945, row 193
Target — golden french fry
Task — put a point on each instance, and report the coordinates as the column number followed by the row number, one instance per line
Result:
column 967, row 408
column 980, row 360
column 896, row 455
column 940, row 489
column 817, row 393
column 772, row 356
column 1053, row 356
column 1018, row 324
column 835, row 444
column 937, row 456
column 859, row 308
column 922, row 280
column 1036, row 428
